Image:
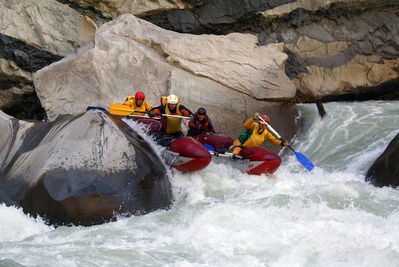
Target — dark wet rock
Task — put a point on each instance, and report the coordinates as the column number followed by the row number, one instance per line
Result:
column 320, row 108
column 26, row 56
column 212, row 16
column 17, row 93
column 80, row 170
column 385, row 170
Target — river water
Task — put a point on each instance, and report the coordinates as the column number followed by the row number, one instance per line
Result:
column 221, row 217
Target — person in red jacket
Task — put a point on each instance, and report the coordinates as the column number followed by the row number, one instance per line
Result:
column 200, row 124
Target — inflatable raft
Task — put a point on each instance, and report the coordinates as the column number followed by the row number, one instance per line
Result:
column 188, row 154
column 193, row 154
column 253, row 160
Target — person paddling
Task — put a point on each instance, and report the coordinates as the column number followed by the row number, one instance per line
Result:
column 200, row 124
column 255, row 134
column 171, row 126
column 138, row 104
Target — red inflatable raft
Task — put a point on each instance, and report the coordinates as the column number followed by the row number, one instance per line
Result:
column 253, row 160
column 188, row 155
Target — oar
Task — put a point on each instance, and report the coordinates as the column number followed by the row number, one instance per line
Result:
column 166, row 115
column 123, row 110
column 142, row 116
column 299, row 156
column 99, row 108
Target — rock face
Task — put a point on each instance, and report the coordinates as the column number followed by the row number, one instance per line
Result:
column 81, row 170
column 45, row 24
column 385, row 169
column 110, row 9
column 337, row 49
column 34, row 34
column 226, row 74
column 17, row 95
column 357, row 58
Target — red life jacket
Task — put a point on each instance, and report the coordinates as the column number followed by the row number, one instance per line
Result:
column 205, row 125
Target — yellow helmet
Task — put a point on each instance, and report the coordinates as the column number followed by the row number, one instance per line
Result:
column 173, row 99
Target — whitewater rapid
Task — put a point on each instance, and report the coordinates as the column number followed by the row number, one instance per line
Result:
column 221, row 217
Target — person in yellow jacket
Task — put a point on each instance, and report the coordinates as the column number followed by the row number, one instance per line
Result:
column 255, row 134
column 138, row 104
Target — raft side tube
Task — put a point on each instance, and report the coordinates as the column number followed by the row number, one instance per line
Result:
column 262, row 161
column 192, row 155
column 189, row 147
column 219, row 142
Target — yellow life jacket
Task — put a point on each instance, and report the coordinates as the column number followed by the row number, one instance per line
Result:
column 131, row 102
column 256, row 139
column 173, row 125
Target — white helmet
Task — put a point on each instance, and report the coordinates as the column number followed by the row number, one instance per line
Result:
column 173, row 99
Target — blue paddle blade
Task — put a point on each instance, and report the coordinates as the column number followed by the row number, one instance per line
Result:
column 91, row 107
column 304, row 161
column 209, row 147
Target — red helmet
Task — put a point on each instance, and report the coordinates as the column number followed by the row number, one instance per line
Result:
column 265, row 118
column 139, row 95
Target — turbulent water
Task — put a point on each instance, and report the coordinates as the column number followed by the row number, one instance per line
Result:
column 221, row 217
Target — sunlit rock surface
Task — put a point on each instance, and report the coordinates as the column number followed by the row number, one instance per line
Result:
column 385, row 169
column 45, row 24
column 79, row 169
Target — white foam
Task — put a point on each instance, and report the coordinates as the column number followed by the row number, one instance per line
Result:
column 15, row 225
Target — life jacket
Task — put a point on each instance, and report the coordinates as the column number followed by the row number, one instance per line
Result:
column 205, row 125
column 256, row 139
column 172, row 125
column 131, row 102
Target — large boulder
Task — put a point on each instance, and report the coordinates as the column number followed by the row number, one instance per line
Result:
column 229, row 75
column 385, row 169
column 80, row 169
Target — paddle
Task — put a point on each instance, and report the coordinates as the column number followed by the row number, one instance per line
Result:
column 123, row 110
column 99, row 108
column 103, row 109
column 142, row 116
column 120, row 109
column 299, row 156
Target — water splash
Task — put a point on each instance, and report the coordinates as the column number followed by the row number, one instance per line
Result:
column 16, row 226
